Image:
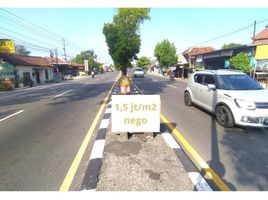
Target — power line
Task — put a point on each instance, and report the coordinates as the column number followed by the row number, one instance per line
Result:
column 20, row 40
column 230, row 33
column 49, row 32
column 10, row 31
column 26, row 28
column 18, row 20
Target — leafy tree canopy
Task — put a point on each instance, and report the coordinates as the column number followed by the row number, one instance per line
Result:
column 87, row 55
column 165, row 52
column 230, row 45
column 143, row 61
column 241, row 62
column 21, row 50
column 123, row 37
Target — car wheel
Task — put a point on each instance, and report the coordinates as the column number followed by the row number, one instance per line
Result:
column 224, row 116
column 187, row 99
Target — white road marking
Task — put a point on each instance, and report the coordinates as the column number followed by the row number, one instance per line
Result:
column 104, row 123
column 108, row 110
column 170, row 141
column 199, row 182
column 97, row 150
column 172, row 86
column 11, row 115
column 61, row 94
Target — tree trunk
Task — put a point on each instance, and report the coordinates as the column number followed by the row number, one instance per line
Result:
column 124, row 71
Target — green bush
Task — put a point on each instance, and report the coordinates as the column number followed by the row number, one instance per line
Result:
column 241, row 62
column 5, row 86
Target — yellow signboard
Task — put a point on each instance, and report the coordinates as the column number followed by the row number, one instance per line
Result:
column 7, row 46
column 261, row 52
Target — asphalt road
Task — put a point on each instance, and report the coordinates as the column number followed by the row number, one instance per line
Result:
column 42, row 128
column 238, row 155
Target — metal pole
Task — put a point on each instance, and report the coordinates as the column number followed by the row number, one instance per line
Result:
column 64, row 49
column 254, row 30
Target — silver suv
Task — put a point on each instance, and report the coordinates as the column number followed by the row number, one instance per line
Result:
column 233, row 96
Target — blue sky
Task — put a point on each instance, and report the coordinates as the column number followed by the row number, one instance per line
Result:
column 184, row 27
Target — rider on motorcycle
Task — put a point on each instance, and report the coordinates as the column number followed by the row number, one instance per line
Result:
column 172, row 75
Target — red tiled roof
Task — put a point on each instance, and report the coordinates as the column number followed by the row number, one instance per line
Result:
column 263, row 41
column 21, row 60
column 263, row 34
column 198, row 50
column 79, row 66
column 54, row 61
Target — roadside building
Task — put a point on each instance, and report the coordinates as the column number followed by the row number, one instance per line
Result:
column 219, row 59
column 261, row 40
column 60, row 66
column 257, row 51
column 77, row 69
column 30, row 70
column 187, row 59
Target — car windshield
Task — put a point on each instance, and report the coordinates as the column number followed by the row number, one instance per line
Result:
column 237, row 82
column 138, row 69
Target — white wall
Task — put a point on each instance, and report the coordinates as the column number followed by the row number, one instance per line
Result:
column 42, row 73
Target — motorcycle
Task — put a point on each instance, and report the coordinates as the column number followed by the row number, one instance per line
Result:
column 172, row 76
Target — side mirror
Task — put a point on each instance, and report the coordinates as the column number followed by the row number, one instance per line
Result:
column 211, row 87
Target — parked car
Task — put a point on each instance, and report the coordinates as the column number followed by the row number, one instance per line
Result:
column 138, row 72
column 234, row 97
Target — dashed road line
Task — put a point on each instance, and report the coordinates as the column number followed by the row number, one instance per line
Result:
column 11, row 115
column 172, row 86
column 61, row 94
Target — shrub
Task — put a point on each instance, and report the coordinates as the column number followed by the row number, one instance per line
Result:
column 6, row 86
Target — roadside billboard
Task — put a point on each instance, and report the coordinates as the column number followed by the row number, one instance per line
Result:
column 7, row 46
column 136, row 113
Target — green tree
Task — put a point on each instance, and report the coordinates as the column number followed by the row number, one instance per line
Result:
column 143, row 61
column 123, row 37
column 87, row 55
column 230, row 45
column 21, row 50
column 241, row 62
column 165, row 52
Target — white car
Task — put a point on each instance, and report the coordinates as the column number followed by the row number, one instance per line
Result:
column 234, row 97
column 138, row 72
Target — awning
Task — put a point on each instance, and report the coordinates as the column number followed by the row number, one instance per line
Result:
column 261, row 52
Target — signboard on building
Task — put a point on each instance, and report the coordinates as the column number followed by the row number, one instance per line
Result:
column 86, row 65
column 261, row 52
column 6, row 71
column 7, row 46
column 136, row 113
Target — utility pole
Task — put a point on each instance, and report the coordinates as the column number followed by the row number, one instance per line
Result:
column 254, row 30
column 64, row 50
column 57, row 61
